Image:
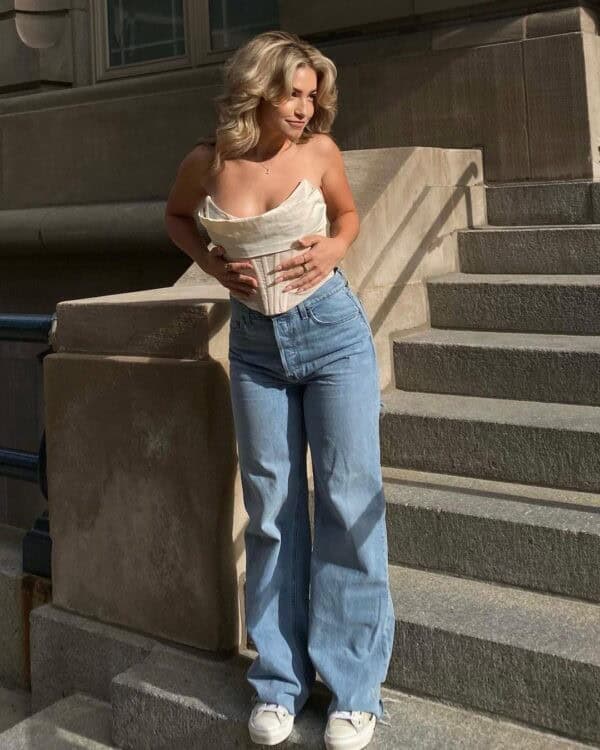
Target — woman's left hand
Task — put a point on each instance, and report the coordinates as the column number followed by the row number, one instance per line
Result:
column 321, row 257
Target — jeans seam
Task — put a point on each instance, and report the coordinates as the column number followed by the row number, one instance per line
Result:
column 332, row 322
column 346, row 290
column 294, row 585
column 324, row 296
column 365, row 320
column 358, row 305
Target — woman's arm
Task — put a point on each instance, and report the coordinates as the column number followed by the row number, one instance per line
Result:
column 184, row 198
column 324, row 253
column 343, row 218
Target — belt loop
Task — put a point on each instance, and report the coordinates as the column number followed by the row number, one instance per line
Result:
column 302, row 310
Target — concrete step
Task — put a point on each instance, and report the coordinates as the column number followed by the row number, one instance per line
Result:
column 77, row 722
column 188, row 702
column 539, row 249
column 548, row 202
column 528, row 303
column 528, row 366
column 537, row 538
column 15, row 705
column 530, row 656
column 554, row 445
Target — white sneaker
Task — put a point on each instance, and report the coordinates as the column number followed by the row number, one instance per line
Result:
column 349, row 730
column 270, row 723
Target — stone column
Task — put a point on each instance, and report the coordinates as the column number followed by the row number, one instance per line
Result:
column 144, row 511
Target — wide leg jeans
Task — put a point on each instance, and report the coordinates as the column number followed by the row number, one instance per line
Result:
column 310, row 376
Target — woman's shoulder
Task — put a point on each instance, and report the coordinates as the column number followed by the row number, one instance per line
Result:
column 204, row 149
column 323, row 152
column 192, row 180
column 323, row 143
column 197, row 162
column 206, row 140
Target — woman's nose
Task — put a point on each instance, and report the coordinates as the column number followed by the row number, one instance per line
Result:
column 300, row 107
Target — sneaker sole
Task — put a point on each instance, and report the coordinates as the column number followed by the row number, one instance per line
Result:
column 270, row 737
column 351, row 743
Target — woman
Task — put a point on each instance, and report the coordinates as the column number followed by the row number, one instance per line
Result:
column 303, row 371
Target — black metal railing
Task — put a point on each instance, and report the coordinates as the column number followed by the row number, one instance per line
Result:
column 19, row 465
column 24, row 465
column 25, row 327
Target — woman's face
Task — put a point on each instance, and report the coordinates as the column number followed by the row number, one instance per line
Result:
column 291, row 115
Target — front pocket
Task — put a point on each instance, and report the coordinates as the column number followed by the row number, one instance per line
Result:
column 338, row 307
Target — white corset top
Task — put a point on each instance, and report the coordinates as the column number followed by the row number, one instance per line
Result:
column 265, row 240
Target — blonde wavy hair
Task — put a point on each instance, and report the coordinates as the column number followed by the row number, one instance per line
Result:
column 264, row 68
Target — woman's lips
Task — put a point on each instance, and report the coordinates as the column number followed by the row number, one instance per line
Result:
column 296, row 123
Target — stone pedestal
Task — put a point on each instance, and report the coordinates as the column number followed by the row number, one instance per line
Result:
column 142, row 469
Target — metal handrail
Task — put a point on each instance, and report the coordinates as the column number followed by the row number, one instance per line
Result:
column 25, row 465
column 19, row 464
column 17, row 327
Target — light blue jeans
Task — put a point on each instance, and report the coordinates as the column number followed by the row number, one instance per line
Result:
column 310, row 374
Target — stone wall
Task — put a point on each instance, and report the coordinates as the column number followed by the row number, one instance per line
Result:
column 523, row 88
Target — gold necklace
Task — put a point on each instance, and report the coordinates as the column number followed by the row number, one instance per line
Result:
column 268, row 169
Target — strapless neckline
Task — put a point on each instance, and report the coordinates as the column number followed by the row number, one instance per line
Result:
column 276, row 208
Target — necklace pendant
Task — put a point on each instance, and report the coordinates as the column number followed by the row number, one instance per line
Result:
column 267, row 170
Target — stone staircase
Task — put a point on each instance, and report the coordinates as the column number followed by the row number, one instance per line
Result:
column 174, row 700
column 490, row 443
column 492, row 478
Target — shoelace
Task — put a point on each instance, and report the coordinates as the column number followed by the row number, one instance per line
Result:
column 280, row 710
column 353, row 716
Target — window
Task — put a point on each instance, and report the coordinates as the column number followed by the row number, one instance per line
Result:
column 232, row 22
column 142, row 30
column 133, row 37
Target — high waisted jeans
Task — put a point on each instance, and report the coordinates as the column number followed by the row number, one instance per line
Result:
column 310, row 374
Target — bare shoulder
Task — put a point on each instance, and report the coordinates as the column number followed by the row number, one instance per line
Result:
column 334, row 180
column 199, row 158
column 324, row 146
column 189, row 187
column 326, row 154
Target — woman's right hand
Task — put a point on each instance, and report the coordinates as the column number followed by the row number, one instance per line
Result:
column 231, row 273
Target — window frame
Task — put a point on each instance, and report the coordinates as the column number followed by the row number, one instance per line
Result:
column 196, row 29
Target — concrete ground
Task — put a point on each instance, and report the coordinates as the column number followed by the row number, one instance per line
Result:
column 14, row 707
